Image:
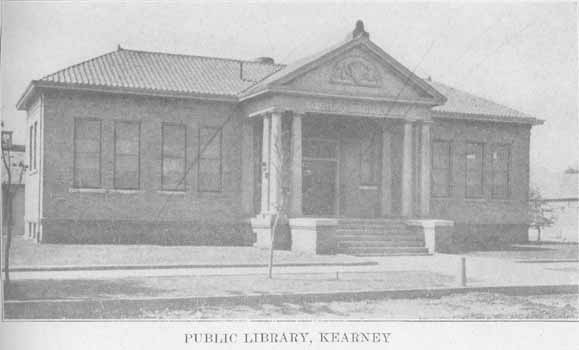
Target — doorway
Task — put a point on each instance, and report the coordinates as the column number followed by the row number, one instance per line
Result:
column 320, row 177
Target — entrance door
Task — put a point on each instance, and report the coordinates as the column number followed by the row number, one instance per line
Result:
column 319, row 182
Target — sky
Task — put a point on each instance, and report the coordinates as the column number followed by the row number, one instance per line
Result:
column 523, row 55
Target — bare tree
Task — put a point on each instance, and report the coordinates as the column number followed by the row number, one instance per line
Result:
column 540, row 216
column 281, row 207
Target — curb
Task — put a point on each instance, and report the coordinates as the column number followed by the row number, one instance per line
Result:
column 547, row 261
column 178, row 266
column 108, row 308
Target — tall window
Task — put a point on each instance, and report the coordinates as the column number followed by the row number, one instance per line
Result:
column 370, row 159
column 500, row 164
column 35, row 148
column 474, row 170
column 441, row 168
column 127, row 150
column 87, row 153
column 210, row 167
column 31, row 147
column 174, row 157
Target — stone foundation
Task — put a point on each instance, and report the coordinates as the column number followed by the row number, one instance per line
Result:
column 468, row 237
column 143, row 232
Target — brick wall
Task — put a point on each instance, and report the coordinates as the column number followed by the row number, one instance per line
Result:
column 486, row 209
column 67, row 211
column 485, row 219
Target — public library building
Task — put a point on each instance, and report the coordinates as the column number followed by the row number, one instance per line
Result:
column 367, row 157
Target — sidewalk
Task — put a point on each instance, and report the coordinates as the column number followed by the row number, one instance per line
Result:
column 126, row 293
column 390, row 273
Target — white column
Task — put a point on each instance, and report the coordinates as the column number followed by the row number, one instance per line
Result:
column 265, row 165
column 407, row 170
column 386, row 172
column 247, row 180
column 296, row 167
column 275, row 159
column 425, row 156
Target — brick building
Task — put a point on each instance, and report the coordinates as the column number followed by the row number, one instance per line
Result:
column 136, row 146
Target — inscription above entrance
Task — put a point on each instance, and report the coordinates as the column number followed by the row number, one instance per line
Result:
column 355, row 71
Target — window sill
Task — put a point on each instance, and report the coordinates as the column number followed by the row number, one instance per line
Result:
column 86, row 190
column 476, row 199
column 369, row 187
column 172, row 193
column 102, row 190
column 116, row 190
column 503, row 200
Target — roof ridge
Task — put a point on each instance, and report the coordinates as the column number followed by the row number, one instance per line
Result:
column 78, row 64
column 201, row 56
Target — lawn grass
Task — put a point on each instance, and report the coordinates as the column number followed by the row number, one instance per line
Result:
column 486, row 306
column 27, row 253
column 230, row 285
column 533, row 251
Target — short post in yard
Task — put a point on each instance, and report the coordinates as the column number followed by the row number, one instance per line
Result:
column 463, row 271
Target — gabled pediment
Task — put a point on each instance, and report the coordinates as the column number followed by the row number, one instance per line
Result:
column 354, row 68
column 357, row 72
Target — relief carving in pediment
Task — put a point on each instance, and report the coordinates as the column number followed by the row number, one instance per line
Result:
column 356, row 71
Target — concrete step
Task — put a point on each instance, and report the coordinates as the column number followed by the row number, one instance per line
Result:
column 385, row 243
column 362, row 234
column 384, row 233
column 371, row 226
column 383, row 251
column 370, row 221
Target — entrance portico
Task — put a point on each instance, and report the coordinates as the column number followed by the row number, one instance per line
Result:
column 343, row 166
column 345, row 134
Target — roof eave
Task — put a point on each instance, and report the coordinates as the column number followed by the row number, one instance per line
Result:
column 125, row 91
column 488, row 118
column 28, row 94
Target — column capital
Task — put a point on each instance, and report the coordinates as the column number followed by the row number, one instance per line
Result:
column 409, row 121
column 269, row 111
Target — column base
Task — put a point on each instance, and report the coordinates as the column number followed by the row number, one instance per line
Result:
column 313, row 235
column 429, row 229
column 262, row 225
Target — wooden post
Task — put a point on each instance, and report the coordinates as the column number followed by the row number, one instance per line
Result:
column 463, row 271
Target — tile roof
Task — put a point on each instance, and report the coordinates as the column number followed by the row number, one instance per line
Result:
column 461, row 102
column 155, row 72
column 162, row 72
